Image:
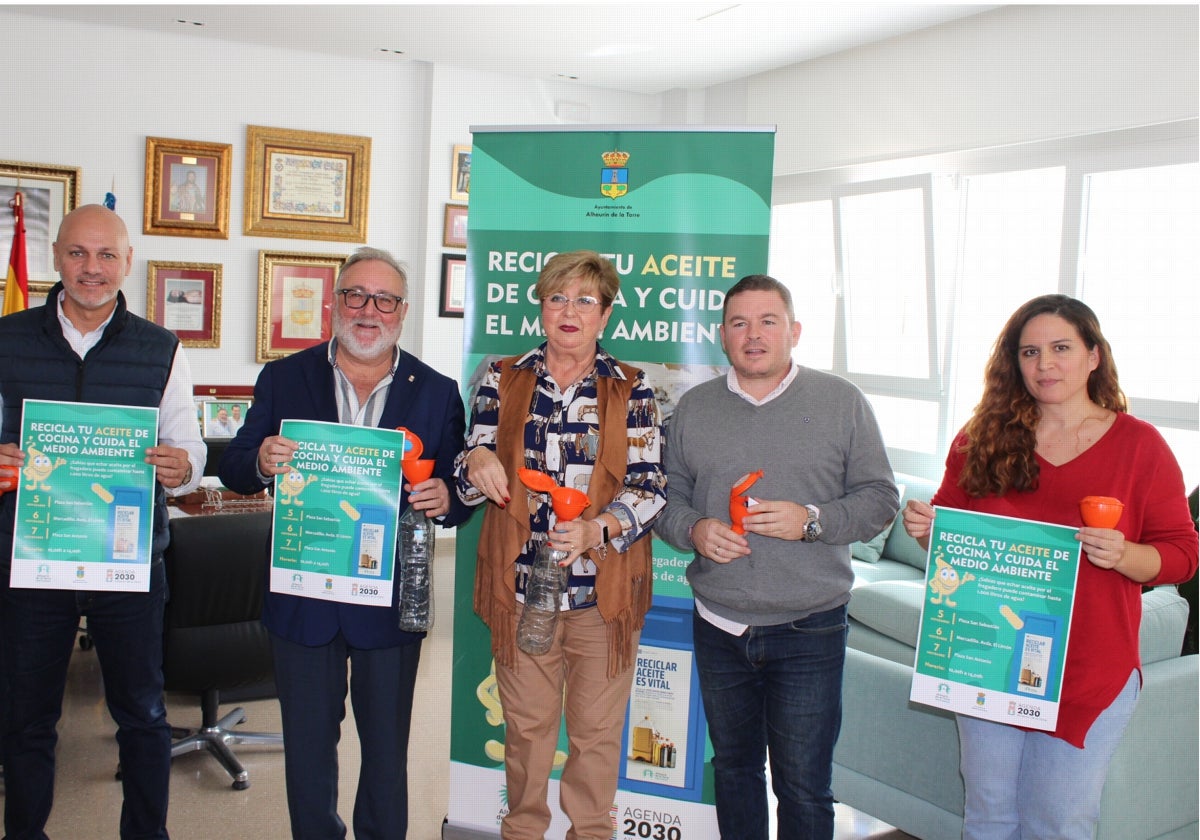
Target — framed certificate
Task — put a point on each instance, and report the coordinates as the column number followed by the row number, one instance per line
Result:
column 307, row 184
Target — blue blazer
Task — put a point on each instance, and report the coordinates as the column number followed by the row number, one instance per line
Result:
column 301, row 387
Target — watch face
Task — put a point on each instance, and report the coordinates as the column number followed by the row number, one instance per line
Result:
column 812, row 530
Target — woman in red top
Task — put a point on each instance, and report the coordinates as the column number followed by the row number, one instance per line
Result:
column 1053, row 427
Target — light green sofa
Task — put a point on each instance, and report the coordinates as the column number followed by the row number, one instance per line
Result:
column 898, row 761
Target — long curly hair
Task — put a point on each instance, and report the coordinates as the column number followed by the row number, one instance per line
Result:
column 1001, row 435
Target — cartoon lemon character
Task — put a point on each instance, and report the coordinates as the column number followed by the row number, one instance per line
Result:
column 292, row 485
column 38, row 468
column 946, row 581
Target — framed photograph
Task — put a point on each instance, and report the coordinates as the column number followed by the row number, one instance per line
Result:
column 187, row 188
column 460, row 174
column 454, row 286
column 186, row 299
column 454, row 226
column 307, row 184
column 48, row 193
column 221, row 418
column 295, row 301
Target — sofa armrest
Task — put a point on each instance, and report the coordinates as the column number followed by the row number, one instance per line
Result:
column 1152, row 781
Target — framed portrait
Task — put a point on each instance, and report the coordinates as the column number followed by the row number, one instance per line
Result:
column 460, row 174
column 454, row 226
column 307, row 184
column 221, row 418
column 48, row 193
column 187, row 188
column 186, row 299
column 454, row 286
column 295, row 301
column 208, row 397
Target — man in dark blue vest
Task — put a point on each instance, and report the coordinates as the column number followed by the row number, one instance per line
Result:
column 85, row 346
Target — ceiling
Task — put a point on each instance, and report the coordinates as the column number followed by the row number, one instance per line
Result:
column 643, row 48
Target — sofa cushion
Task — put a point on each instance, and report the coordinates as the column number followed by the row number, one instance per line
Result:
column 890, row 607
column 869, row 551
column 1164, row 620
column 899, row 546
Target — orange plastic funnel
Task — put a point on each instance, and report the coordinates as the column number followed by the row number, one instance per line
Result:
column 413, row 448
column 568, row 503
column 1101, row 511
column 417, row 470
column 9, row 476
column 536, row 481
column 737, row 500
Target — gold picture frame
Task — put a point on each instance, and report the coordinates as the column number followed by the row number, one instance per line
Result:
column 186, row 299
column 50, row 192
column 454, row 226
column 187, row 188
column 295, row 301
column 306, row 184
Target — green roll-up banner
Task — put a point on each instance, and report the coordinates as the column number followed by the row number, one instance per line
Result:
column 683, row 213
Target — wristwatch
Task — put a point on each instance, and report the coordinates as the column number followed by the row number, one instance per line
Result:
column 603, row 532
column 812, row 527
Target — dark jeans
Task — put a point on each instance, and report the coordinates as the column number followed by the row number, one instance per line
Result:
column 39, row 631
column 311, row 682
column 773, row 690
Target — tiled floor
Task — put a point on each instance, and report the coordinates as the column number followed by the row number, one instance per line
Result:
column 203, row 805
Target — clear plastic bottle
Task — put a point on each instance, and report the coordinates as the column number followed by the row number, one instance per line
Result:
column 543, row 597
column 415, row 571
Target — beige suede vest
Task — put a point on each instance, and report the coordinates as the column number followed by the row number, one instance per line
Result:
column 624, row 583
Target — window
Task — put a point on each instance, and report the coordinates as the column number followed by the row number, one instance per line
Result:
column 903, row 282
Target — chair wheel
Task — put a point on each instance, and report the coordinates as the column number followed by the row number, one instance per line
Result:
column 240, row 785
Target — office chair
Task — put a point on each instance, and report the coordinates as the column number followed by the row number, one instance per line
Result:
column 213, row 639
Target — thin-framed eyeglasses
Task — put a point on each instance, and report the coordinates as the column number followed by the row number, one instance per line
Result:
column 357, row 299
column 584, row 304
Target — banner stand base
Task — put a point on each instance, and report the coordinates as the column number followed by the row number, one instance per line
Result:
column 458, row 832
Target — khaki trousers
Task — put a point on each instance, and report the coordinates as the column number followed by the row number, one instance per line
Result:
column 532, row 694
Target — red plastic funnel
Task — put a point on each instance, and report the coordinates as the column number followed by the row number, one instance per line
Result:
column 536, row 481
column 417, row 470
column 737, row 500
column 9, row 476
column 413, row 448
column 1101, row 511
column 568, row 502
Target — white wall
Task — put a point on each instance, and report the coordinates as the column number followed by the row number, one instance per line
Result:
column 88, row 96
column 1015, row 74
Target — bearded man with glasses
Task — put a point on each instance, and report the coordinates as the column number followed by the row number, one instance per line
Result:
column 360, row 377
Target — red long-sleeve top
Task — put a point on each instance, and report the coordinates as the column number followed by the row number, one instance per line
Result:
column 1133, row 463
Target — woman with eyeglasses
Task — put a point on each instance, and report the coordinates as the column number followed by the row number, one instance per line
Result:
column 568, row 409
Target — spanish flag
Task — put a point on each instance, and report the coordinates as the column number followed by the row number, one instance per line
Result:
column 16, row 286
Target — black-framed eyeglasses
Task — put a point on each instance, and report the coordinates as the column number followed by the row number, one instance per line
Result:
column 357, row 299
column 584, row 304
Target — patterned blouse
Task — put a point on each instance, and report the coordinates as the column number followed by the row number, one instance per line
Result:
column 562, row 437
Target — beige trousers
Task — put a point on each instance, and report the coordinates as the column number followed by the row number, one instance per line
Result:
column 532, row 695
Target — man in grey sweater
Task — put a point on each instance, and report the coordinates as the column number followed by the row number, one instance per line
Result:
column 770, row 621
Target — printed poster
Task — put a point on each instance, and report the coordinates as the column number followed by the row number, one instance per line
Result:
column 334, row 521
column 997, row 614
column 660, row 705
column 85, row 497
column 682, row 214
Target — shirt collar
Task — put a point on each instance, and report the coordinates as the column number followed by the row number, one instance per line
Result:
column 535, row 360
column 731, row 380
column 331, row 356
